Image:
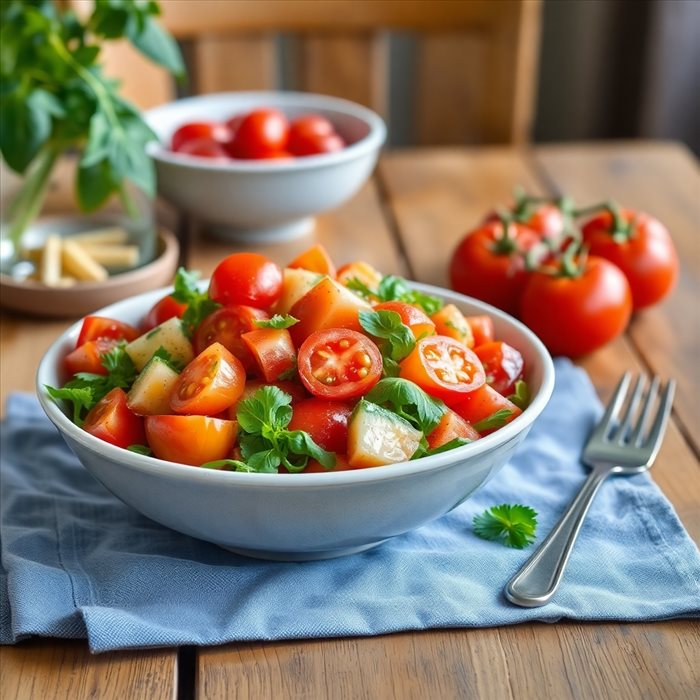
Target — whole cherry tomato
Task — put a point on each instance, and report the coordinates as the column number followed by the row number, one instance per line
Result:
column 308, row 143
column 489, row 264
column 246, row 278
column 212, row 131
column 260, row 133
column 162, row 311
column 641, row 247
column 576, row 308
column 203, row 148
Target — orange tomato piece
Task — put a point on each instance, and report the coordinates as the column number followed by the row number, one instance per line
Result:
column 450, row 427
column 315, row 259
column 450, row 321
column 482, row 403
column 273, row 351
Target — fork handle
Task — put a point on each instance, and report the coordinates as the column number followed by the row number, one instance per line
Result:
column 538, row 579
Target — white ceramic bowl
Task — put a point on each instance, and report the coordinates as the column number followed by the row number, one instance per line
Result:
column 301, row 516
column 264, row 200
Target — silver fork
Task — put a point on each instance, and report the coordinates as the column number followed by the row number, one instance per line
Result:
column 617, row 445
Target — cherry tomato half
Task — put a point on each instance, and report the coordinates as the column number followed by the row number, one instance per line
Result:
column 503, row 364
column 199, row 130
column 95, row 327
column 246, row 278
column 88, row 357
column 326, row 422
column 190, row 439
column 111, row 420
column 339, row 364
column 211, row 383
column 443, row 367
column 162, row 311
column 260, row 133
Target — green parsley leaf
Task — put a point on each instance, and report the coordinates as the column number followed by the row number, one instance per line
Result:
column 396, row 338
column 409, row 401
column 162, row 354
column 81, row 399
column 494, row 421
column 278, row 321
column 227, row 465
column 521, row 397
column 268, row 409
column 451, row 445
column 199, row 305
column 394, row 288
column 140, row 450
column 514, row 525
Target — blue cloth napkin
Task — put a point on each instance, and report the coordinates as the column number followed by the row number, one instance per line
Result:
column 76, row 562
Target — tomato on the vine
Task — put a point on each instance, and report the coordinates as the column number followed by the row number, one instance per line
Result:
column 246, row 278
column 641, row 247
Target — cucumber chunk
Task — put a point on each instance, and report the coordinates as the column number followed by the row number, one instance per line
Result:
column 150, row 394
column 170, row 336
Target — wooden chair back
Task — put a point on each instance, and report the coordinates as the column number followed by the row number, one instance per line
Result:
column 454, row 71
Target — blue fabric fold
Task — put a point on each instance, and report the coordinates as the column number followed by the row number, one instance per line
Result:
column 78, row 563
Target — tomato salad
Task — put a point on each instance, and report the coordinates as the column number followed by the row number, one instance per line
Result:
column 307, row 368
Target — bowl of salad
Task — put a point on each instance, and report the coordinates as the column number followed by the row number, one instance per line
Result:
column 258, row 166
column 295, row 413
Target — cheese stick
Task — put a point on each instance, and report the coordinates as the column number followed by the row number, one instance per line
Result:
column 108, row 235
column 50, row 268
column 112, row 255
column 77, row 263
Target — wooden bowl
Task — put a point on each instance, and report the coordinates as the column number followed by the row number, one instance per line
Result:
column 36, row 299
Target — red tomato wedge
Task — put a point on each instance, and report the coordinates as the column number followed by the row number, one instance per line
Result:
column 88, row 357
column 246, row 278
column 273, row 351
column 339, row 364
column 326, row 422
column 111, row 420
column 162, row 311
column 315, row 259
column 482, row 403
column 443, row 367
column 211, row 383
column 413, row 317
column 326, row 305
column 450, row 321
column 190, row 439
column 95, row 327
column 450, row 427
column 503, row 364
column 482, row 329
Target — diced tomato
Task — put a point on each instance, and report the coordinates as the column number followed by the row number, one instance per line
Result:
column 295, row 390
column 326, row 422
column 162, row 311
column 443, row 367
column 482, row 329
column 273, row 351
column 88, row 357
column 190, row 439
column 482, row 403
column 450, row 321
column 111, row 420
column 503, row 364
column 211, row 383
column 450, row 427
column 339, row 364
column 315, row 259
column 413, row 317
column 95, row 327
column 361, row 271
column 327, row 305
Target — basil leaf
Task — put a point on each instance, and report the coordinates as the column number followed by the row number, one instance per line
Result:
column 387, row 326
column 159, row 46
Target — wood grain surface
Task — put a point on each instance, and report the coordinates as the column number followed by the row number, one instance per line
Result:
column 407, row 220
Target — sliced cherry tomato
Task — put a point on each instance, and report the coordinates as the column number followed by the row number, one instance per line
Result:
column 260, row 133
column 489, row 264
column 413, row 317
column 450, row 321
column 339, row 364
column 211, row 383
column 273, row 351
column 577, row 312
column 482, row 329
column 88, row 357
column 190, row 439
column 162, row 311
column 95, row 327
column 326, row 305
column 443, row 367
column 641, row 247
column 315, row 259
column 246, row 278
column 193, row 131
column 483, row 403
column 326, row 422
column 203, row 148
column 450, row 427
column 503, row 364
column 226, row 326
column 111, row 420
column 295, row 390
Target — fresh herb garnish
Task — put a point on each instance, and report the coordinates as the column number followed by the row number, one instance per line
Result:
column 227, row 465
column 141, row 450
column 521, row 397
column 409, row 401
column 395, row 339
column 494, row 421
column 394, row 288
column 278, row 321
column 79, row 398
column 164, row 356
column 199, row 305
column 264, row 439
column 425, row 451
column 514, row 525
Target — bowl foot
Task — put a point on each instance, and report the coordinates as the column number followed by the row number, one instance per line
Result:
column 271, row 234
column 301, row 556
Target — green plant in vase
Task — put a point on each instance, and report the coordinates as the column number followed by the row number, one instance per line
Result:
column 55, row 98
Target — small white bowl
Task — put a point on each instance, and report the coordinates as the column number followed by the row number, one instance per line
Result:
column 264, row 200
column 298, row 517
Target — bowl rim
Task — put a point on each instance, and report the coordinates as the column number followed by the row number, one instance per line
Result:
column 302, row 480
column 374, row 139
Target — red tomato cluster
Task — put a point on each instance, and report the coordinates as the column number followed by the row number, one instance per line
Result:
column 575, row 282
column 259, row 134
column 300, row 329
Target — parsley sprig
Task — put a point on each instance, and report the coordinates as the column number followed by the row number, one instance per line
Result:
column 199, row 305
column 278, row 321
column 394, row 288
column 394, row 339
column 513, row 525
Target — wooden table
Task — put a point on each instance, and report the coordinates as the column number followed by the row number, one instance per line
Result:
column 406, row 220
